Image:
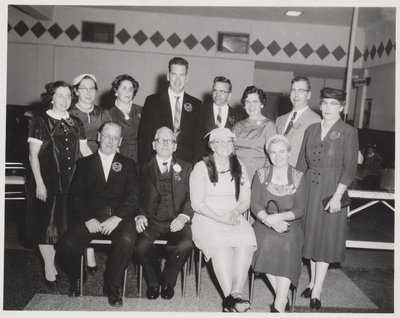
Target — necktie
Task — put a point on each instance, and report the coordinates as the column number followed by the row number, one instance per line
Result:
column 219, row 118
column 164, row 167
column 177, row 117
column 290, row 125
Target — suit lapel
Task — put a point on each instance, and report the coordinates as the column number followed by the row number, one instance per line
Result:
column 281, row 126
column 230, row 119
column 210, row 121
column 98, row 168
column 166, row 110
column 153, row 173
column 112, row 173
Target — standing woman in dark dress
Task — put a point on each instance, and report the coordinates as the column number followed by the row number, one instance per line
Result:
column 279, row 234
column 329, row 158
column 126, row 113
column 55, row 140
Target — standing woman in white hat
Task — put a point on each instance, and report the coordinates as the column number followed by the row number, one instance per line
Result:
column 220, row 194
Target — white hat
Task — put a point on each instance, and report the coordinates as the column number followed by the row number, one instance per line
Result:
column 218, row 133
column 78, row 79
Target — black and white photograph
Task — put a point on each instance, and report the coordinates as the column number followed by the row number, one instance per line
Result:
column 199, row 157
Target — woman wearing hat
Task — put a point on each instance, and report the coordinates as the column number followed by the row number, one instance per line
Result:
column 56, row 140
column 92, row 116
column 328, row 157
column 278, row 226
column 220, row 194
column 127, row 114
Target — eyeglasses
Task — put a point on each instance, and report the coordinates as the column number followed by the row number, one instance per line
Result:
column 86, row 90
column 254, row 102
column 219, row 91
column 299, row 91
column 222, row 142
column 107, row 138
column 162, row 141
column 333, row 103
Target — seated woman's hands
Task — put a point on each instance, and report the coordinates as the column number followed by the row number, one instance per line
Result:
column 273, row 220
column 233, row 218
column 281, row 226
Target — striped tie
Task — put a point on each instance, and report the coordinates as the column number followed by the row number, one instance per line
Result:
column 290, row 125
column 218, row 124
column 164, row 168
column 177, row 117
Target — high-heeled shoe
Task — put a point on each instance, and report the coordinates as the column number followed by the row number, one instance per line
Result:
column 315, row 303
column 287, row 307
column 51, row 283
column 306, row 293
column 273, row 309
column 92, row 269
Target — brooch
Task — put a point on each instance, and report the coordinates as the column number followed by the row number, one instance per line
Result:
column 116, row 166
column 177, row 172
column 188, row 107
column 334, row 135
column 69, row 121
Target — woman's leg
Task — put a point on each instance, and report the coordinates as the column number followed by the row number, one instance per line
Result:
column 91, row 261
column 272, row 280
column 312, row 277
column 321, row 269
column 242, row 257
column 223, row 262
column 48, row 253
column 282, row 289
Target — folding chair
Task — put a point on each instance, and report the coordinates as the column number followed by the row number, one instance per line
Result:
column 15, row 181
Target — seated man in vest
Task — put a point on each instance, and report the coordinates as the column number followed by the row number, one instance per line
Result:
column 103, row 200
column 165, row 215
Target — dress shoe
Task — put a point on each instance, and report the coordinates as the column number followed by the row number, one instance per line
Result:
column 273, row 309
column 241, row 305
column 114, row 296
column 75, row 288
column 306, row 293
column 228, row 304
column 153, row 292
column 167, row 292
column 92, row 269
column 51, row 283
column 315, row 303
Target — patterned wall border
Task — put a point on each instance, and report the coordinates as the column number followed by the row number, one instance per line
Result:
column 374, row 52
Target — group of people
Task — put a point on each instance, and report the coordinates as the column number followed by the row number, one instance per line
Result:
column 189, row 173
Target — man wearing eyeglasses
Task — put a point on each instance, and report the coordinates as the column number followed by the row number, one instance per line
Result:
column 293, row 124
column 104, row 198
column 165, row 215
column 218, row 114
column 173, row 108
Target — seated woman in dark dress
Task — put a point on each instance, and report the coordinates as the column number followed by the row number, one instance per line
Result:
column 279, row 234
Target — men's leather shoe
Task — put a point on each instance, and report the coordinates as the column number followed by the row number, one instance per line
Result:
column 92, row 269
column 315, row 303
column 75, row 288
column 114, row 296
column 167, row 292
column 306, row 293
column 153, row 292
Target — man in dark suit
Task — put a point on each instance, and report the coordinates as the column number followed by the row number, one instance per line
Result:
column 166, row 214
column 174, row 109
column 217, row 114
column 103, row 200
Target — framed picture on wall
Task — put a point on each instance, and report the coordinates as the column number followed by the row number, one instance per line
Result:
column 367, row 112
column 233, row 42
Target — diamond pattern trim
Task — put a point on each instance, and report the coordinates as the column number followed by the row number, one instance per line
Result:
column 72, row 32
column 55, row 31
column 174, row 40
column 207, row 43
column 38, row 29
column 381, row 49
column 372, row 52
column 338, row 53
column 389, row 47
column 21, row 28
column 191, row 41
column 357, row 54
column 140, row 37
column 290, row 49
column 157, row 39
column 257, row 46
column 273, row 48
column 306, row 50
column 322, row 52
column 123, row 36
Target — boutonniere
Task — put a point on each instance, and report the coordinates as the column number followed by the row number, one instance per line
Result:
column 334, row 135
column 231, row 120
column 188, row 107
column 177, row 171
column 116, row 166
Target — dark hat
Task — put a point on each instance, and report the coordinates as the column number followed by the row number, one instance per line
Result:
column 333, row 93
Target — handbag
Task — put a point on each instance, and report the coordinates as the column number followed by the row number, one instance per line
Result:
column 278, row 211
column 344, row 202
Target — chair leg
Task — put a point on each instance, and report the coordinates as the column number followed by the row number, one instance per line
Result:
column 199, row 274
column 294, row 293
column 81, row 277
column 124, row 283
column 185, row 270
column 140, row 280
column 251, row 285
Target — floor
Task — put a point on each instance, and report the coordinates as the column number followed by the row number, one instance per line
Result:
column 361, row 284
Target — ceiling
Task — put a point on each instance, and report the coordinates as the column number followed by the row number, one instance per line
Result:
column 312, row 15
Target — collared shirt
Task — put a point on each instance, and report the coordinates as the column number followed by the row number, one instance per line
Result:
column 160, row 163
column 299, row 113
column 106, row 162
column 224, row 113
column 172, row 101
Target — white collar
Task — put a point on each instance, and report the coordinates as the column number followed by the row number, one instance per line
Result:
column 299, row 112
column 54, row 115
column 160, row 161
column 225, row 106
column 87, row 111
column 106, row 157
column 173, row 94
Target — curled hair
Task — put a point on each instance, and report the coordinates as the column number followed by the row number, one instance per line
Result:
column 124, row 77
column 302, row 79
column 178, row 61
column 276, row 139
column 254, row 90
column 47, row 96
column 223, row 79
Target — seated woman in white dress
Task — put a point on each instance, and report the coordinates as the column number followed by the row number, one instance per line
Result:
column 220, row 194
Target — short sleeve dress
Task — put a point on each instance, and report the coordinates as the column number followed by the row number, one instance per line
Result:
column 130, row 126
column 279, row 254
column 251, row 136
column 59, row 139
column 209, row 235
column 326, row 163
column 91, row 123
